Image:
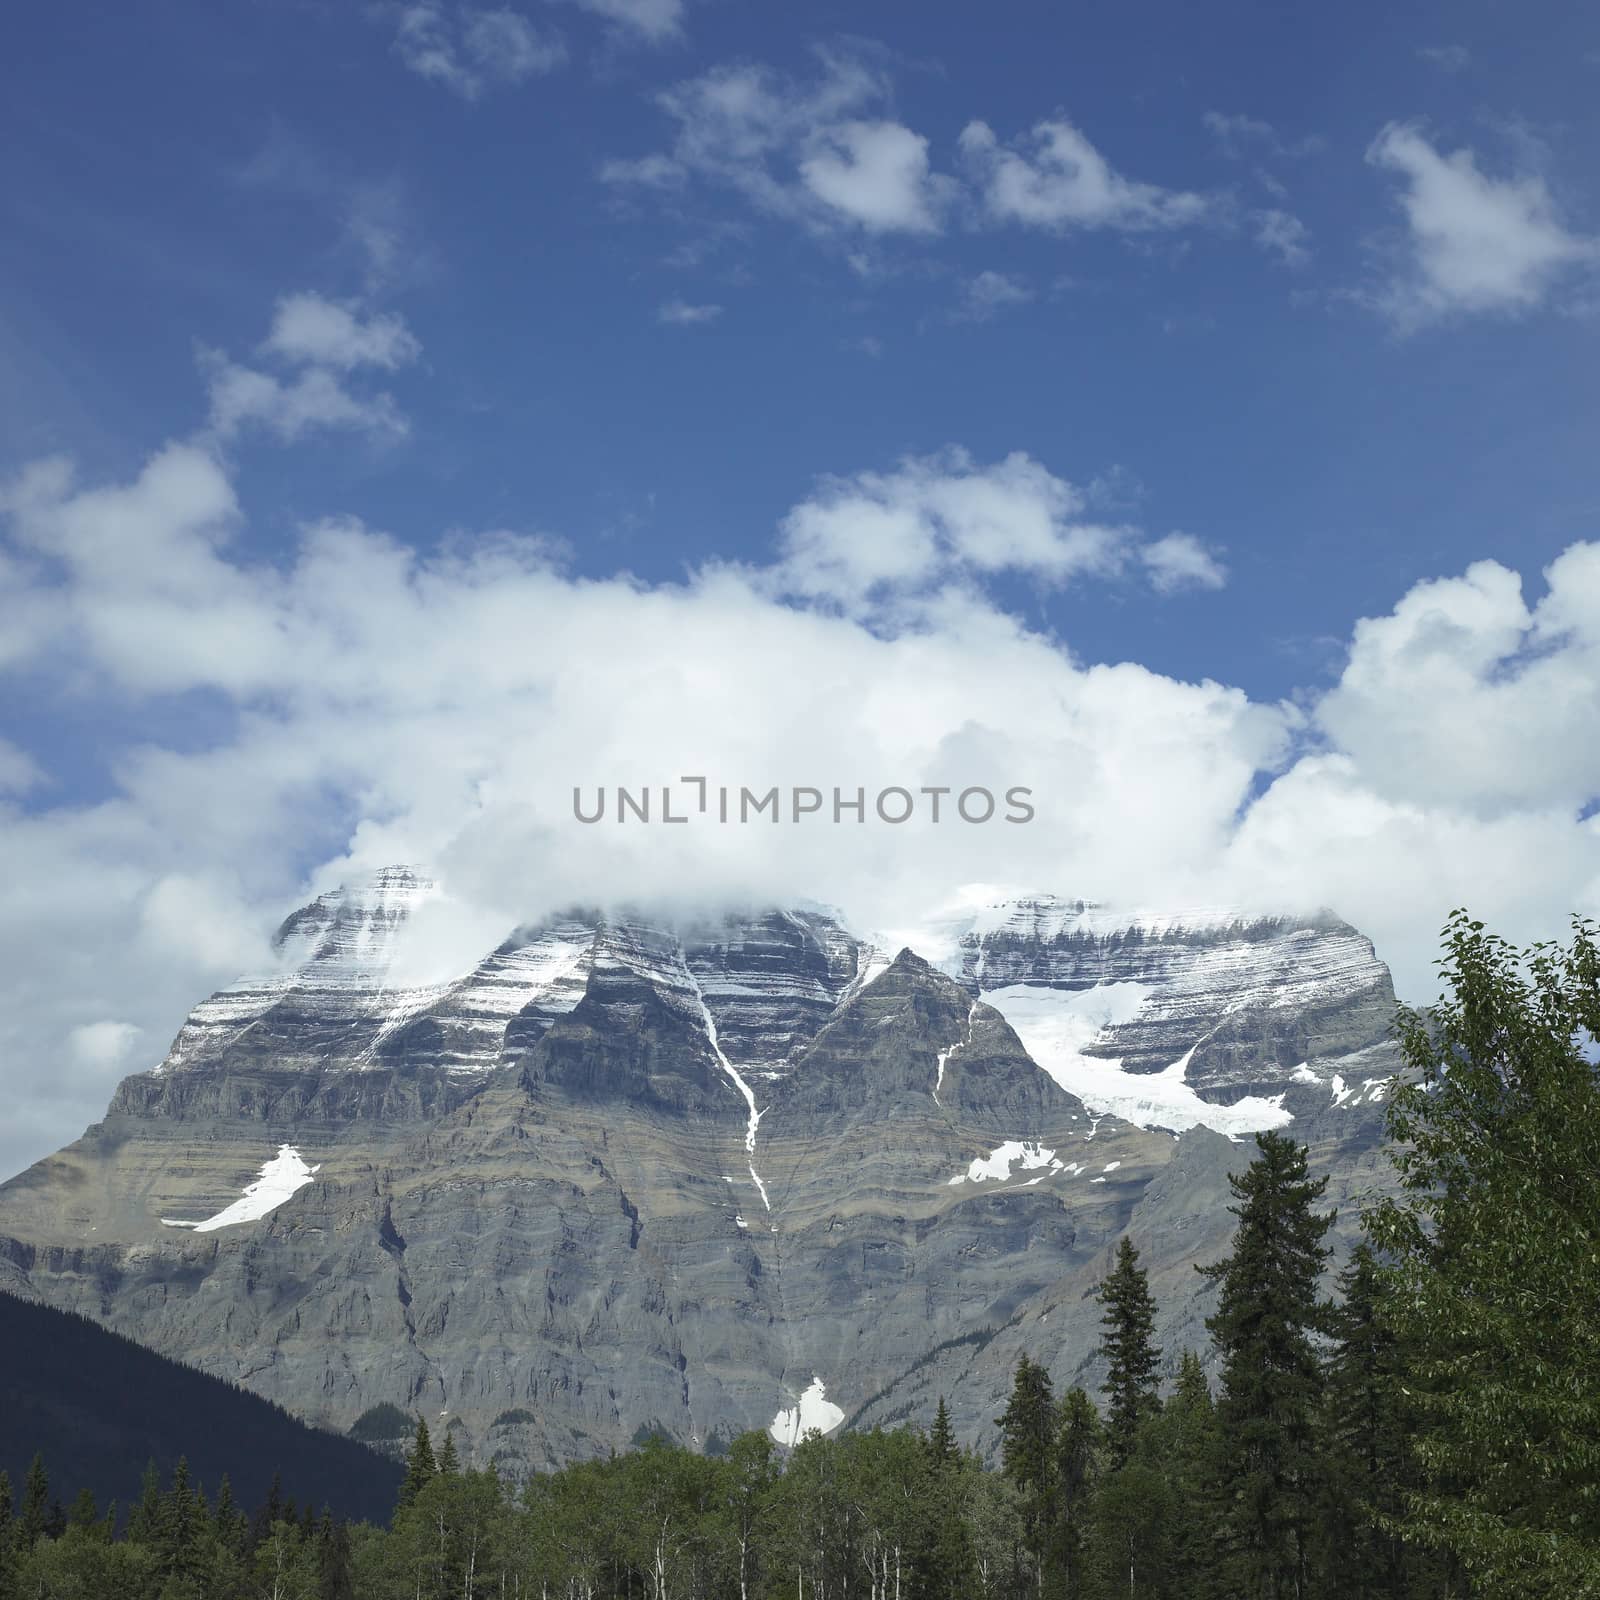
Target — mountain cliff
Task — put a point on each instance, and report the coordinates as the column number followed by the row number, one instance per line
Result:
column 741, row 1171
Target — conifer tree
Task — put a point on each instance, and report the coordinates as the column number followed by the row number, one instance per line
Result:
column 1366, row 1434
column 231, row 1525
column 146, row 1516
column 1028, row 1458
column 1130, row 1521
column 1079, row 1441
column 1271, row 1379
column 448, row 1464
column 85, row 1512
column 946, row 1559
column 225, row 1508
column 420, row 1467
column 35, row 1505
column 1182, row 1443
column 269, row 1513
column 335, row 1565
column 942, row 1448
column 179, row 1525
column 1493, row 1257
column 1129, row 1348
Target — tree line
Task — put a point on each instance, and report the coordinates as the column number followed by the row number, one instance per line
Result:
column 1430, row 1431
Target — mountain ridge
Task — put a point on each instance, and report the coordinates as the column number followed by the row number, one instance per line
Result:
column 626, row 1174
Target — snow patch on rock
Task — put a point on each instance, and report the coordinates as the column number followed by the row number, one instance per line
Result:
column 814, row 1412
column 1021, row 1153
column 279, row 1179
column 1057, row 1025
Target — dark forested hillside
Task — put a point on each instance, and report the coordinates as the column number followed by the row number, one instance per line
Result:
column 100, row 1407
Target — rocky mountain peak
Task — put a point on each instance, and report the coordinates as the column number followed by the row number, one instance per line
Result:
column 623, row 1171
column 1219, row 1001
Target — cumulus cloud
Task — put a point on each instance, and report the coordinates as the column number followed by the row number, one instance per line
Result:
column 311, row 328
column 1180, row 561
column 799, row 149
column 1474, row 243
column 875, row 173
column 325, row 340
column 369, row 703
column 316, row 398
column 877, row 538
column 1056, row 179
column 826, row 152
column 469, row 49
column 1464, row 692
column 680, row 314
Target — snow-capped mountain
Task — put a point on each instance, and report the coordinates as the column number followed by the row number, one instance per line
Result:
column 336, row 997
column 614, row 1173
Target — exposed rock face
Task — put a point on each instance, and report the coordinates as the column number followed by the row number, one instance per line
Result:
column 618, row 1175
column 1243, row 998
column 330, row 999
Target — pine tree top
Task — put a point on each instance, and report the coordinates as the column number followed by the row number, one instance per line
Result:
column 942, row 1444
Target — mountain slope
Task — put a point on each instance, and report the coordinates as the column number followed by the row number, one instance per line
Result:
column 100, row 1407
column 618, row 1174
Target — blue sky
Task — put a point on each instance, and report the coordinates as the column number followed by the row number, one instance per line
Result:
column 169, row 171
column 408, row 411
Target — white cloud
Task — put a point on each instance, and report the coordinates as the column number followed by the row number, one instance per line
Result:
column 1475, row 243
column 325, row 341
column 876, row 538
column 102, row 1046
column 1447, row 766
column 1180, row 561
column 469, row 49
column 1284, row 234
column 824, row 152
column 290, row 407
column 799, row 150
column 1058, row 180
column 679, row 313
column 310, row 328
column 653, row 20
column 875, row 173
column 744, row 126
column 1464, row 694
